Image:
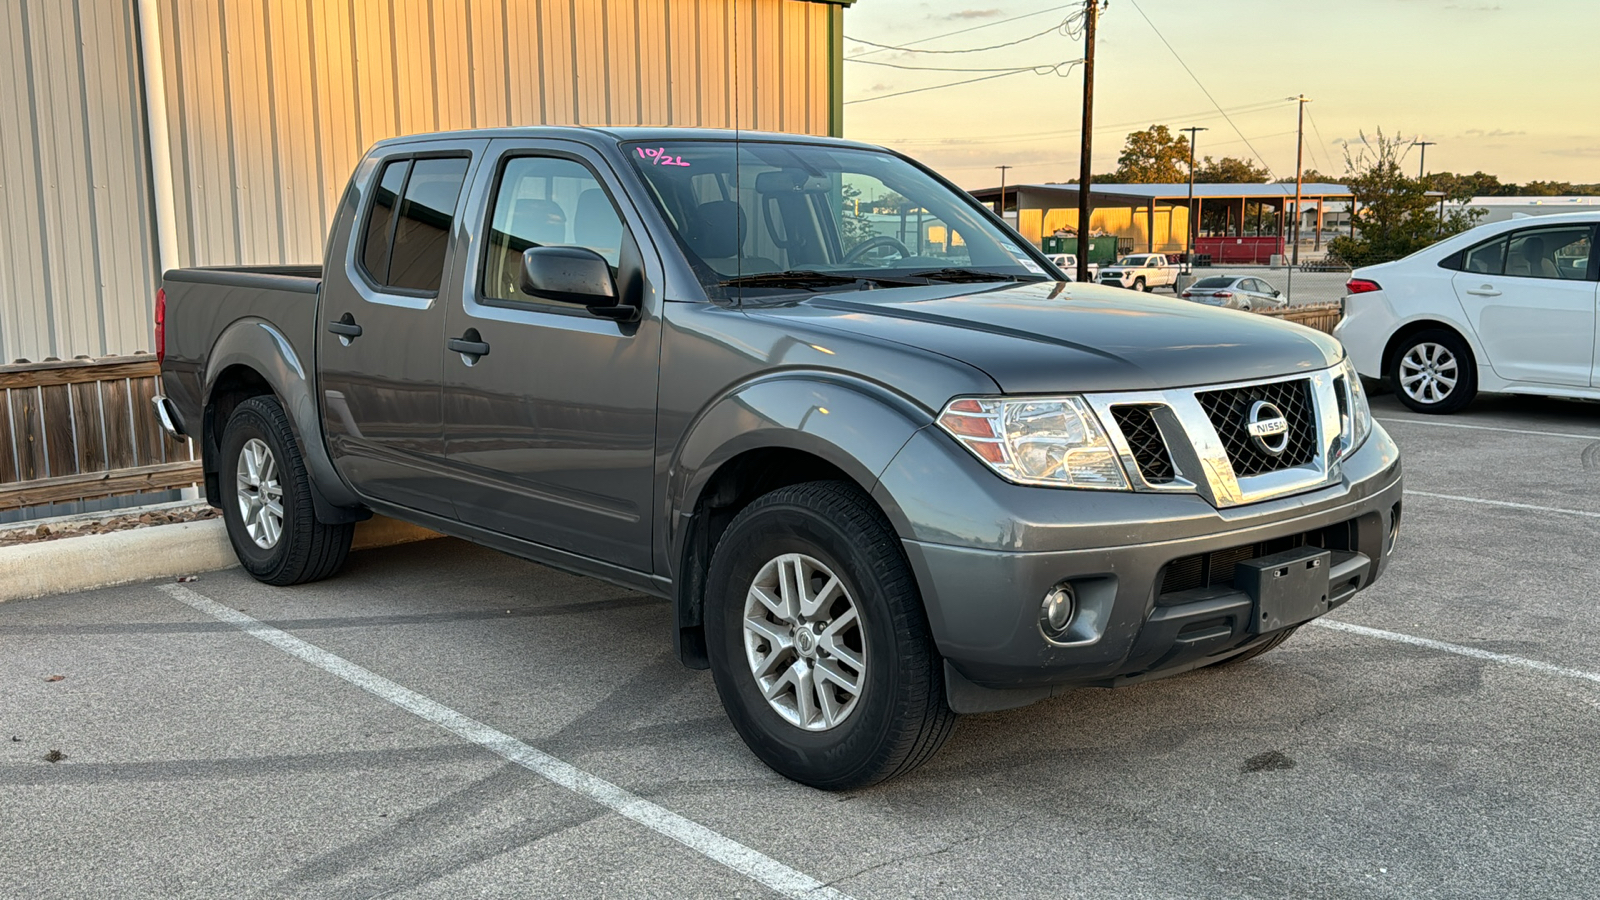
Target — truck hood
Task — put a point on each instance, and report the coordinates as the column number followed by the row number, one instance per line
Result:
column 1069, row 337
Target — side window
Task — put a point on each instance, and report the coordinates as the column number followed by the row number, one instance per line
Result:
column 380, row 220
column 422, row 235
column 545, row 201
column 1487, row 258
column 1550, row 253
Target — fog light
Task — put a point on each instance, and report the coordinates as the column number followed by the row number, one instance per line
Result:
column 1055, row 615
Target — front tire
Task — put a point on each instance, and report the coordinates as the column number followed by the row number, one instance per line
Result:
column 1138, row 285
column 818, row 641
column 266, row 500
column 1433, row 372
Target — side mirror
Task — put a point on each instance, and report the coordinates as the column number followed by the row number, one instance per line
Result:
column 1277, row 293
column 573, row 275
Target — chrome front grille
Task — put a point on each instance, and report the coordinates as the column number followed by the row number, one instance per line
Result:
column 1138, row 424
column 1198, row 440
column 1229, row 412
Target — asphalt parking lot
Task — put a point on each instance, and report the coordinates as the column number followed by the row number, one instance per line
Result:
column 443, row 721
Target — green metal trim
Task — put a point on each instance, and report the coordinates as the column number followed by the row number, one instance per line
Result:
column 836, row 70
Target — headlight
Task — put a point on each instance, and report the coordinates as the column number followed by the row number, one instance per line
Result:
column 1356, row 415
column 1054, row 441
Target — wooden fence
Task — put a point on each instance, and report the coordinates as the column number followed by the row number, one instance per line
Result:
column 1321, row 316
column 84, row 429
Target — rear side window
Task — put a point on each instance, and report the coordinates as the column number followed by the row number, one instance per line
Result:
column 1486, row 259
column 406, row 242
column 380, row 220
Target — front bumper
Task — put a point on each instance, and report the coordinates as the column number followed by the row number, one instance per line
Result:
column 983, row 593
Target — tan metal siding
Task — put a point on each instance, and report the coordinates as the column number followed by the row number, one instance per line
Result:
column 277, row 99
column 76, row 256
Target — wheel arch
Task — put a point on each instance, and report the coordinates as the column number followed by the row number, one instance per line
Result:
column 1409, row 329
column 252, row 358
column 769, row 434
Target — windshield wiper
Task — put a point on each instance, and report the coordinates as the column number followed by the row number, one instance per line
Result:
column 812, row 280
column 963, row 275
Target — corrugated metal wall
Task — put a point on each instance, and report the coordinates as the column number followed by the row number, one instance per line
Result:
column 76, row 252
column 273, row 101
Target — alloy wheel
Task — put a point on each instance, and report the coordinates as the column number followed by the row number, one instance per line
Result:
column 804, row 642
column 1428, row 373
column 260, row 493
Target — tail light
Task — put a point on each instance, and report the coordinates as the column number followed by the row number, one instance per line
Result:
column 161, row 325
column 1186, row 295
column 1223, row 294
column 1361, row 286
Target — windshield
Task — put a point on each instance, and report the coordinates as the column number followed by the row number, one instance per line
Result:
column 1132, row 260
column 757, row 218
column 1213, row 282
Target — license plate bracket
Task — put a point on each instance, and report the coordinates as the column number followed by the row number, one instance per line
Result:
column 1287, row 588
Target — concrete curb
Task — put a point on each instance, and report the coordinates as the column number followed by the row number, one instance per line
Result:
column 144, row 554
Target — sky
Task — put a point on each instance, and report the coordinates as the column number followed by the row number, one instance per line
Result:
column 1503, row 86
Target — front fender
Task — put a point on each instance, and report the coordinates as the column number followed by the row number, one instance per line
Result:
column 853, row 424
column 258, row 345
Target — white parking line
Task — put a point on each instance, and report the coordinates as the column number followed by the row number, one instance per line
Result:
column 1460, row 650
column 750, row 863
column 1506, row 503
column 1387, row 420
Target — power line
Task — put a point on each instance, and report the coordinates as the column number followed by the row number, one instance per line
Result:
column 1053, row 29
column 1037, row 12
column 1314, row 155
column 1202, row 87
column 871, row 62
column 1202, row 115
column 936, row 87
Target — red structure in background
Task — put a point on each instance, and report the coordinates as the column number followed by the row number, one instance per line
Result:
column 1239, row 250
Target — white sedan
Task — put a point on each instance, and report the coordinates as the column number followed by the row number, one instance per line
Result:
column 1508, row 306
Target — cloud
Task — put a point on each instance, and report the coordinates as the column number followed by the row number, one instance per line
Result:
column 1475, row 7
column 1498, row 132
column 972, row 14
column 1574, row 151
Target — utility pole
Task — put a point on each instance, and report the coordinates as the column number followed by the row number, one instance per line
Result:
column 1002, row 209
column 1188, row 250
column 1091, row 10
column 1299, row 172
column 1422, row 163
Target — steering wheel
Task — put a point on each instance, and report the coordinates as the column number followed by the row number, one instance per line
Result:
column 874, row 242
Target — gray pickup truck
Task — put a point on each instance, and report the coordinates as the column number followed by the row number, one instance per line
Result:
column 886, row 465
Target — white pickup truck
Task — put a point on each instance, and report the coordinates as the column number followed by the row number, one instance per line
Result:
column 1142, row 272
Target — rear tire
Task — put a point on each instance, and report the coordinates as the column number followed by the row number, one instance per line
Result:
column 266, row 500
column 788, row 694
column 1433, row 372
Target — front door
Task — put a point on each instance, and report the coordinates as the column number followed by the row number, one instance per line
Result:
column 1532, row 308
column 380, row 323
column 550, row 434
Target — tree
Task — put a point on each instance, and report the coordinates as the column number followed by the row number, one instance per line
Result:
column 1461, row 188
column 854, row 226
column 1229, row 170
column 1397, row 216
column 1153, row 156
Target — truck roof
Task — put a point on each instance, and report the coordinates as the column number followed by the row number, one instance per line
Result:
column 614, row 135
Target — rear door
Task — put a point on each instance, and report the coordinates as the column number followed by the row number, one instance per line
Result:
column 382, row 322
column 1532, row 309
column 550, row 435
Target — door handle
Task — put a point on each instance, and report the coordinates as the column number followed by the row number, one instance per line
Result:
column 1485, row 291
column 469, row 345
column 346, row 328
